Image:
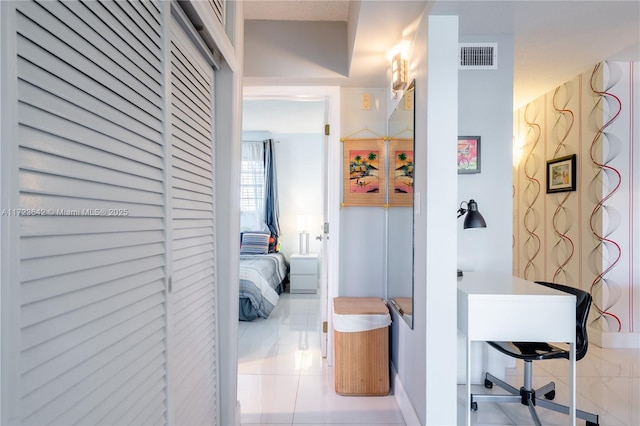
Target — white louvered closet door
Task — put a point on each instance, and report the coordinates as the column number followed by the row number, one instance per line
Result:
column 92, row 298
column 193, row 300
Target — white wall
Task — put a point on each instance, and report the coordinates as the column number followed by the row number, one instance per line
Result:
column 362, row 243
column 299, row 163
column 486, row 110
column 300, row 49
column 425, row 356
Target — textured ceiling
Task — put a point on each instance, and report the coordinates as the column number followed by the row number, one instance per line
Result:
column 295, row 10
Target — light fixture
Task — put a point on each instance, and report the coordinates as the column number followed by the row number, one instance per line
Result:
column 398, row 71
column 473, row 219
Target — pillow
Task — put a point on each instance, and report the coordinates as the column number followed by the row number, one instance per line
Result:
column 254, row 243
column 273, row 243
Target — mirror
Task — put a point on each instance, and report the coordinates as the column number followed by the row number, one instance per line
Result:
column 400, row 214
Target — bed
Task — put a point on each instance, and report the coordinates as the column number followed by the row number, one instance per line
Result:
column 261, row 281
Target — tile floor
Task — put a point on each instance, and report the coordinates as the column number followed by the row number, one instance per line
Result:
column 283, row 380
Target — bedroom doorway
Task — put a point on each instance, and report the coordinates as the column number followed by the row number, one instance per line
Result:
column 318, row 204
column 285, row 349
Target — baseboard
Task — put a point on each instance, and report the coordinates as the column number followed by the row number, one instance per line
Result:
column 609, row 340
column 406, row 407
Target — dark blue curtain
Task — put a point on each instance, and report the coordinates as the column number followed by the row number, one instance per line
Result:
column 271, row 209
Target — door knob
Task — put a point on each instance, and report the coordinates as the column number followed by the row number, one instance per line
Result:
column 319, row 237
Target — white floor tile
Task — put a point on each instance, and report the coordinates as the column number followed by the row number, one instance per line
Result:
column 267, row 399
column 317, row 402
column 283, row 380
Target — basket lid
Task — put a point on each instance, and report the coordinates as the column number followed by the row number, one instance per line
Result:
column 359, row 306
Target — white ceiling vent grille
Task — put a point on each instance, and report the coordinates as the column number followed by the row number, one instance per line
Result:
column 478, row 56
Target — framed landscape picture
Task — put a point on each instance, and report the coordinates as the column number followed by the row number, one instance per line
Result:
column 561, row 174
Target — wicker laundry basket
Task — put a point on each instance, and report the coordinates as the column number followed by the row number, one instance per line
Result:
column 361, row 342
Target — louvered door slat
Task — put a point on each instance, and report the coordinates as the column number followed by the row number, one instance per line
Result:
column 56, row 129
column 75, row 55
column 141, row 70
column 193, row 340
column 67, row 110
column 65, row 148
column 151, row 376
column 92, row 285
column 190, row 71
column 37, row 377
column 71, row 387
column 140, row 34
column 76, row 85
column 185, row 151
column 59, row 284
column 39, row 355
column 113, row 37
column 63, row 244
column 36, row 161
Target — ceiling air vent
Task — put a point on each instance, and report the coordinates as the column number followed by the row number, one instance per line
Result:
column 218, row 9
column 478, row 56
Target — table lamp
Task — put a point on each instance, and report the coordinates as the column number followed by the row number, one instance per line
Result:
column 303, row 234
column 473, row 219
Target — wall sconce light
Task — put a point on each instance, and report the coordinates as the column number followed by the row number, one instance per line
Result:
column 398, row 71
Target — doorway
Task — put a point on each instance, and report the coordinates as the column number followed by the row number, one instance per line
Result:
column 332, row 184
column 315, row 201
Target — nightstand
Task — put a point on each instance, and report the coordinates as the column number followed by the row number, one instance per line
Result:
column 303, row 277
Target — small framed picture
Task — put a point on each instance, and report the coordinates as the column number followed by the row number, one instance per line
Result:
column 468, row 154
column 561, row 174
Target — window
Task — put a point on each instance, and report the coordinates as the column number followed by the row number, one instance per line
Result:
column 251, row 185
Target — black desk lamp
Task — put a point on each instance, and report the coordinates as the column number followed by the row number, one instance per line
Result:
column 473, row 220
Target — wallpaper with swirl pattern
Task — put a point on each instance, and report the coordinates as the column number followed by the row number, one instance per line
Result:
column 588, row 238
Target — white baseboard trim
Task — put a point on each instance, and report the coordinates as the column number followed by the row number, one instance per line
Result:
column 409, row 414
column 610, row 340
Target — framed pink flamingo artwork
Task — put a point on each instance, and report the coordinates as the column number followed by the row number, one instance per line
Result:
column 468, row 154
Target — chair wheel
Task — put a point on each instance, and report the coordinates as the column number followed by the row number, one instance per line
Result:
column 474, row 406
column 488, row 383
column 550, row 395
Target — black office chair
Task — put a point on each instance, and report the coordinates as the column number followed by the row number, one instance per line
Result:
column 530, row 352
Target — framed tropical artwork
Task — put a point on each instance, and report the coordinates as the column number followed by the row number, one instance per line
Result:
column 364, row 177
column 401, row 166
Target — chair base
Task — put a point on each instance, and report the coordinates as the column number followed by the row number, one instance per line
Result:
column 527, row 396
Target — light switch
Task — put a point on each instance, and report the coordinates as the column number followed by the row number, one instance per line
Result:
column 366, row 101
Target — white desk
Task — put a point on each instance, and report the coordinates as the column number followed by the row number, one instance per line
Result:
column 501, row 307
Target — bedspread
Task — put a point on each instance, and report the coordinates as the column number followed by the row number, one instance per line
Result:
column 261, row 277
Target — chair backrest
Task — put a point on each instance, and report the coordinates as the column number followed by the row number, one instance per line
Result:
column 583, row 304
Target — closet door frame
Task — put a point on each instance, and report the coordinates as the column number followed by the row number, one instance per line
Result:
column 9, row 226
